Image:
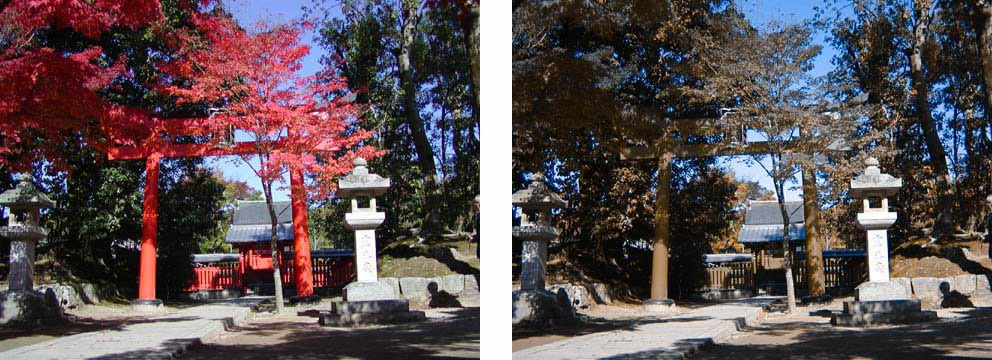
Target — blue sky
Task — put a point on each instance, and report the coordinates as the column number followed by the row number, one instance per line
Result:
column 759, row 11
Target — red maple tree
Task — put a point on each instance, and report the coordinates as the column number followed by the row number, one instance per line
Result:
column 46, row 92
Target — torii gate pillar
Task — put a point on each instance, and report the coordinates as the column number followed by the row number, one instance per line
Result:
column 301, row 237
column 149, row 241
column 659, row 261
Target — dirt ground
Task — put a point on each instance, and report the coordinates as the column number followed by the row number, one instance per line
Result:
column 82, row 319
column 960, row 333
column 599, row 318
column 449, row 333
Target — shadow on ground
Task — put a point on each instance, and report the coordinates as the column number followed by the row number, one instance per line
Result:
column 78, row 325
column 966, row 337
column 590, row 325
column 454, row 338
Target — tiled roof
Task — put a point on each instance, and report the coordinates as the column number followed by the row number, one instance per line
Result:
column 770, row 233
column 726, row 258
column 256, row 213
column 768, row 213
column 255, row 233
column 214, row 258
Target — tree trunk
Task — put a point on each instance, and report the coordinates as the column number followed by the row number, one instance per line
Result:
column 274, row 245
column 983, row 28
column 815, row 278
column 790, row 287
column 938, row 158
column 470, row 26
column 425, row 154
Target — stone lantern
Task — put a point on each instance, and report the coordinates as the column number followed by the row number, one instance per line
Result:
column 535, row 230
column 361, row 186
column 25, row 203
column 20, row 303
column 880, row 300
column 533, row 304
column 873, row 185
column 369, row 300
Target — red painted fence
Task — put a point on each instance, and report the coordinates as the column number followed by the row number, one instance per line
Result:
column 326, row 273
column 218, row 277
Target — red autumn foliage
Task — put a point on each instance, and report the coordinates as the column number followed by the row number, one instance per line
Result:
column 46, row 92
column 251, row 75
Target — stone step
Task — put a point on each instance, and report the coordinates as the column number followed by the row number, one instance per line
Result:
column 359, row 319
column 881, row 307
column 869, row 319
column 370, row 306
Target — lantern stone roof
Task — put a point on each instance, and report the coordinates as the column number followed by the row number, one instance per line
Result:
column 538, row 196
column 360, row 183
column 873, row 182
column 25, row 196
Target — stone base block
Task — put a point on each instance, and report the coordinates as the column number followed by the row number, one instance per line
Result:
column 869, row 319
column 369, row 291
column 717, row 295
column 147, row 306
column 304, row 300
column 204, row 295
column 880, row 291
column 816, row 300
column 868, row 313
column 376, row 306
column 359, row 319
column 25, row 308
column 882, row 307
column 659, row 306
column 540, row 308
column 358, row 313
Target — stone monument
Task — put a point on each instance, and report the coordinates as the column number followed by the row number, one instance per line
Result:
column 533, row 304
column 878, row 301
column 21, row 303
column 368, row 300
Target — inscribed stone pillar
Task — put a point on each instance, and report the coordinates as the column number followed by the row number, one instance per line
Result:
column 22, row 264
column 532, row 264
column 878, row 255
column 365, row 254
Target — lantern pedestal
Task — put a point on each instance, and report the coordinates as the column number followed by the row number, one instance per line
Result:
column 541, row 308
column 29, row 307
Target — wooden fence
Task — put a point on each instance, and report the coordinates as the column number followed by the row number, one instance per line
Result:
column 839, row 272
column 731, row 276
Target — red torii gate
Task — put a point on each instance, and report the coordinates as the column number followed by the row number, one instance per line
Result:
column 155, row 147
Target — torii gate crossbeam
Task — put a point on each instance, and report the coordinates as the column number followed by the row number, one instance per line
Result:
column 152, row 154
column 666, row 149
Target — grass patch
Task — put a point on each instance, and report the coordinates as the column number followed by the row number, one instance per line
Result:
column 406, row 257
